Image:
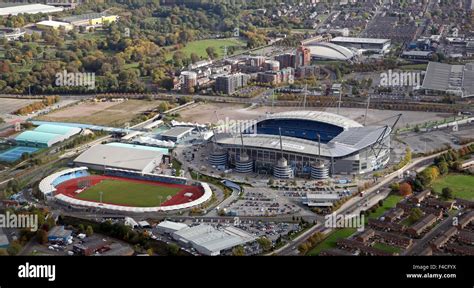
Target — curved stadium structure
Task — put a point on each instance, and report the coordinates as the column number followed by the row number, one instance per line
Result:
column 345, row 146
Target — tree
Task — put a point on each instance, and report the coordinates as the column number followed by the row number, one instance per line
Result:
column 405, row 189
column 395, row 187
column 173, row 249
column 164, row 106
column 265, row 243
column 211, row 52
column 415, row 215
column 89, row 231
column 14, row 248
column 447, row 193
column 238, row 251
column 443, row 168
column 42, row 236
column 150, row 252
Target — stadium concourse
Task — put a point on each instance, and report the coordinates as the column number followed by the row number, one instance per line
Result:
column 65, row 186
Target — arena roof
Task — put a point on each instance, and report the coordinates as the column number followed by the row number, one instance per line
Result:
column 360, row 40
column 348, row 142
column 330, row 51
column 29, row 9
column 319, row 116
column 119, row 157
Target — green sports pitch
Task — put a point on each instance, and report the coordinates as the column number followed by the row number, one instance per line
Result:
column 128, row 193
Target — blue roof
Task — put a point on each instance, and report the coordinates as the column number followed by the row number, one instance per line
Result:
column 164, row 151
column 55, row 129
column 37, row 137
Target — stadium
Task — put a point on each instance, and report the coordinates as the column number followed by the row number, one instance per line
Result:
column 122, row 190
column 304, row 144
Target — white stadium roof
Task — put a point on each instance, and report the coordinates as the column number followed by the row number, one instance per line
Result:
column 320, row 116
column 330, row 51
column 29, row 9
column 360, row 40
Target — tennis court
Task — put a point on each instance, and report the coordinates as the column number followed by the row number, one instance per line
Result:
column 13, row 154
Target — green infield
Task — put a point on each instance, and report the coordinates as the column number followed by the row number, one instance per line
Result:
column 462, row 185
column 128, row 193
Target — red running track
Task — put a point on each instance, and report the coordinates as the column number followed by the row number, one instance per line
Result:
column 70, row 187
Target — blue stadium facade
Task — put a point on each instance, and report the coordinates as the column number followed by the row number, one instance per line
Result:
column 346, row 146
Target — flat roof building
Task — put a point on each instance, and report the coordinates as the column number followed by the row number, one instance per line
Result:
column 58, row 233
column 53, row 25
column 46, row 135
column 450, row 79
column 169, row 227
column 100, row 157
column 210, row 241
column 176, row 134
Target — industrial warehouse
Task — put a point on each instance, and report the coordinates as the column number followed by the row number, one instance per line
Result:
column 302, row 144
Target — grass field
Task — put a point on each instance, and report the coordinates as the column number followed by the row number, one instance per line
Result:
column 331, row 240
column 387, row 248
column 199, row 47
column 102, row 113
column 462, row 185
column 388, row 204
column 128, row 193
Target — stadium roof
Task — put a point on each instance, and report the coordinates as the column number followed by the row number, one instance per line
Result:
column 39, row 137
column 206, row 237
column 119, row 157
column 346, row 143
column 360, row 40
column 29, row 9
column 319, row 116
column 330, row 51
column 450, row 78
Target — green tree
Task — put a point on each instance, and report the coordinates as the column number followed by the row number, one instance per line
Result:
column 447, row 193
column 415, row 215
column 14, row 248
column 89, row 231
column 265, row 243
column 42, row 236
column 238, row 251
column 173, row 249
